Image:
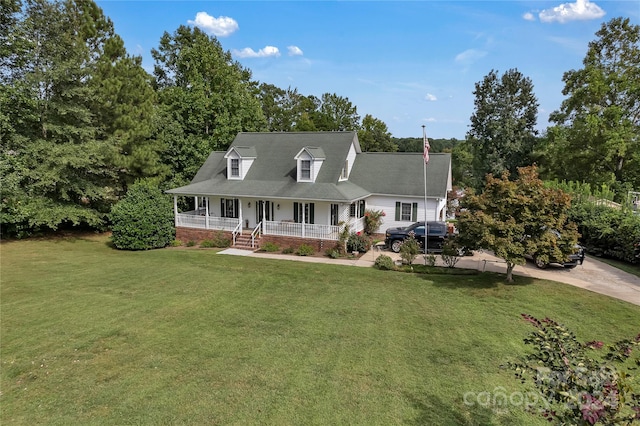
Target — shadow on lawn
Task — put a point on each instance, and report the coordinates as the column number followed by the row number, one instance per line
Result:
column 481, row 281
column 432, row 410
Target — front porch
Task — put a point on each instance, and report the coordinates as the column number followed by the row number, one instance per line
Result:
column 198, row 219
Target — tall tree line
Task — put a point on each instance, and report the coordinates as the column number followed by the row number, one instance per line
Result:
column 81, row 120
column 595, row 137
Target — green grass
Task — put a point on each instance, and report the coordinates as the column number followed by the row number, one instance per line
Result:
column 92, row 335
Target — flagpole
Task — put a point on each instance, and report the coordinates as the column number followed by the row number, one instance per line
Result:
column 425, row 154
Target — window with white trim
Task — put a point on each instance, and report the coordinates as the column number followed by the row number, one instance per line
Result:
column 406, row 212
column 305, row 169
column 235, row 167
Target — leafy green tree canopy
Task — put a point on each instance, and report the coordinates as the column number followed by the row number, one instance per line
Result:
column 597, row 134
column 209, row 94
column 513, row 218
column 502, row 133
column 374, row 136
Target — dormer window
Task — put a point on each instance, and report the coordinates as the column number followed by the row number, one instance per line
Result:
column 309, row 161
column 235, row 167
column 305, row 169
column 239, row 161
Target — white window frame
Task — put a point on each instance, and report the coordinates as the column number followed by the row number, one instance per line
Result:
column 303, row 170
column 405, row 216
column 235, row 169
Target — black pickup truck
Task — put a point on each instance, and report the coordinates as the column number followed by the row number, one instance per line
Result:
column 437, row 234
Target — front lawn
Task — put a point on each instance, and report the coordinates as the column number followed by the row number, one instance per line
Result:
column 92, row 335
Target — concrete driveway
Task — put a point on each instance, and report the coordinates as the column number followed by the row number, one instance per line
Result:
column 592, row 275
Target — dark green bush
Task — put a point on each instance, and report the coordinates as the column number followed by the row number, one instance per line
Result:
column 305, row 250
column 219, row 240
column 288, row 250
column 191, row 243
column 207, row 244
column 333, row 253
column 269, row 247
column 358, row 242
column 606, row 231
column 384, row 263
column 143, row 219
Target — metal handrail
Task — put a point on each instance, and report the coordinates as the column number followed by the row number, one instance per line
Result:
column 256, row 231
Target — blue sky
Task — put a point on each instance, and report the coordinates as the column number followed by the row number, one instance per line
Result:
column 406, row 63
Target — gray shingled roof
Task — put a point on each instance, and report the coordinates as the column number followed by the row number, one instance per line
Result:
column 315, row 152
column 273, row 172
column 401, row 173
column 245, row 151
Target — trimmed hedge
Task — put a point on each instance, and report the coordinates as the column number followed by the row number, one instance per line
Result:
column 143, row 219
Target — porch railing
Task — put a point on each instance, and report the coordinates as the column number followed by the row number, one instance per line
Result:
column 193, row 220
column 303, row 230
column 285, row 229
column 256, row 234
column 237, row 231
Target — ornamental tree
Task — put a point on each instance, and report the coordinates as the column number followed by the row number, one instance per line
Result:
column 513, row 219
column 575, row 384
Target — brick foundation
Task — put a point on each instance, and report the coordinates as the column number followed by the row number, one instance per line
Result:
column 294, row 242
column 199, row 235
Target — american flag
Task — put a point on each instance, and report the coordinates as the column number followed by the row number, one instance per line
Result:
column 427, row 147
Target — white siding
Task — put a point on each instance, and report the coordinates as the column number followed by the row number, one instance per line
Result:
column 351, row 159
column 388, row 205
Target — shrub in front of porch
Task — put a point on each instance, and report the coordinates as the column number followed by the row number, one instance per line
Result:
column 143, row 219
column 358, row 242
column 373, row 221
column 305, row 250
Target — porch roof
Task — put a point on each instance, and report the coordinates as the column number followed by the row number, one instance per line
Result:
column 220, row 186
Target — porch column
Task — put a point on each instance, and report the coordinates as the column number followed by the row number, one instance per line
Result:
column 175, row 210
column 195, row 204
column 264, row 225
column 206, row 213
column 304, row 206
column 240, row 213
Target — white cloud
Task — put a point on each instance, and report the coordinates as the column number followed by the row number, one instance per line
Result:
column 529, row 16
column 579, row 11
column 265, row 52
column 295, row 51
column 469, row 56
column 220, row 27
column 430, row 97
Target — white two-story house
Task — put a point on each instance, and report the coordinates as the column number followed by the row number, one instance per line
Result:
column 304, row 187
